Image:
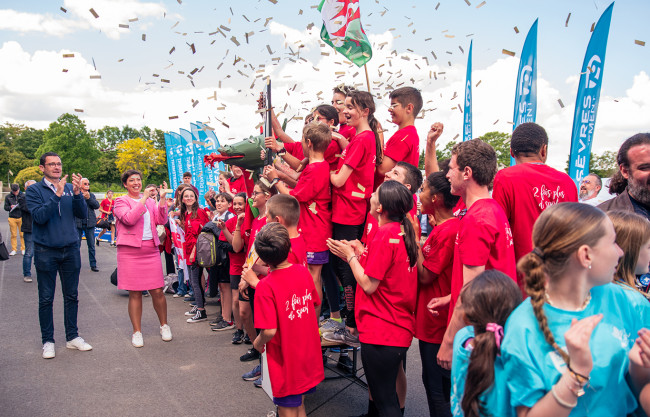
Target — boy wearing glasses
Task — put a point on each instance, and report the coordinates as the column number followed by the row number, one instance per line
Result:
column 54, row 205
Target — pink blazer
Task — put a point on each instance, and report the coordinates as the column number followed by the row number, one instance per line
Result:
column 129, row 220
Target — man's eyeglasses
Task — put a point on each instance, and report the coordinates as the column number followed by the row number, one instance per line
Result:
column 54, row 164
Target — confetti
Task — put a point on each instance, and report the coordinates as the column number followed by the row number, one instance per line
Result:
column 95, row 77
column 144, row 37
column 63, row 10
column 437, row 5
column 396, row 241
column 638, row 42
column 274, row 1
column 355, row 193
column 593, row 26
column 516, row 29
column 123, row 26
column 79, row 110
column 497, row 121
column 64, row 70
column 173, row 117
column 506, row 52
column 566, row 24
column 68, row 55
column 172, row 50
column 235, row 41
column 135, row 19
column 162, row 80
column 559, row 101
column 450, row 36
column 456, row 137
column 269, row 49
column 193, row 48
column 478, row 83
column 94, row 13
column 480, row 5
column 468, row 3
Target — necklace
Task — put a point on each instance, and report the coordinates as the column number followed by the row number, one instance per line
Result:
column 582, row 307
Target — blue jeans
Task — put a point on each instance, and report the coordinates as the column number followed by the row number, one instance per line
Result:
column 67, row 262
column 29, row 254
column 90, row 241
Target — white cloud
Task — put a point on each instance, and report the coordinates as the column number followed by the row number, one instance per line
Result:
column 32, row 22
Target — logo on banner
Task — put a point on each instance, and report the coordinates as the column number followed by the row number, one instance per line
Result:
column 593, row 72
column 525, row 80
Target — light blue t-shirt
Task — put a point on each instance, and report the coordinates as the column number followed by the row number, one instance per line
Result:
column 532, row 367
column 496, row 399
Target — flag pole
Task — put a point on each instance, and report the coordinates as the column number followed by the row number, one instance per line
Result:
column 367, row 79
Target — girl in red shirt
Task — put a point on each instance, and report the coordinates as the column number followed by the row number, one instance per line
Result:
column 192, row 219
column 351, row 189
column 385, row 304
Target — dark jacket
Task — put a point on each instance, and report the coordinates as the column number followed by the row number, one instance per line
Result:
column 91, row 219
column 12, row 200
column 620, row 202
column 26, row 227
column 53, row 216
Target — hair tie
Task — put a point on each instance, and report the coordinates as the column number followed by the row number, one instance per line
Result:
column 497, row 329
column 538, row 252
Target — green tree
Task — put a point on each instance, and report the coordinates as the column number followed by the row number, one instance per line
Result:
column 29, row 173
column 445, row 153
column 12, row 161
column 9, row 132
column 604, row 164
column 106, row 138
column 139, row 154
column 107, row 171
column 501, row 143
column 28, row 142
column 68, row 138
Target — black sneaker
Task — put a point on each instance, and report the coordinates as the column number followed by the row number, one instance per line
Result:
column 238, row 337
column 251, row 355
column 247, row 340
column 345, row 364
column 223, row 325
column 200, row 315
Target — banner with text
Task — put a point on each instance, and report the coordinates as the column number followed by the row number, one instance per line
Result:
column 467, row 112
column 584, row 118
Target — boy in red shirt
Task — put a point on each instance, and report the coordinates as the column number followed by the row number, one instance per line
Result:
column 313, row 192
column 404, row 145
column 484, row 239
column 528, row 188
column 284, row 311
column 235, row 183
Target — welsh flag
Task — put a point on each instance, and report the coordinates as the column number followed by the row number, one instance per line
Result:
column 342, row 30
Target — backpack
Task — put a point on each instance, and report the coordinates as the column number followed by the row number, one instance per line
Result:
column 206, row 250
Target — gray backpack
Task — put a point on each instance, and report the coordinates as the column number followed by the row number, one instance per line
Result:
column 206, row 250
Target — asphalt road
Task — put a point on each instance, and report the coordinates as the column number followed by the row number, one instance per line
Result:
column 197, row 373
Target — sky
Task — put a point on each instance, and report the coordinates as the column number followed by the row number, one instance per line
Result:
column 134, row 64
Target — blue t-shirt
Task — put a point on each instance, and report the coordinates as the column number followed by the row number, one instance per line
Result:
column 496, row 398
column 533, row 367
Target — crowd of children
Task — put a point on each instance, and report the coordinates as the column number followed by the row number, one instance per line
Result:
column 334, row 220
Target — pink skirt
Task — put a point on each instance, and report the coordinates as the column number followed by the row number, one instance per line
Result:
column 139, row 269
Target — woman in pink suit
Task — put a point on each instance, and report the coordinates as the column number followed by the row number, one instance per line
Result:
column 139, row 266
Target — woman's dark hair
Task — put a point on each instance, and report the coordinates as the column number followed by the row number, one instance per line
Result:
column 396, row 201
column 241, row 195
column 488, row 298
column 438, row 184
column 272, row 244
column 128, row 173
column 328, row 112
column 363, row 100
column 195, row 207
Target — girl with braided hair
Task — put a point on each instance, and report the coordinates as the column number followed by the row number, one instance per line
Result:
column 578, row 345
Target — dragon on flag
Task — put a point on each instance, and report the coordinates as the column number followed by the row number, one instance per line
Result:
column 342, row 30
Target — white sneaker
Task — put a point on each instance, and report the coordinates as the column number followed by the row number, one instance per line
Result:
column 79, row 344
column 27, row 279
column 12, row 253
column 136, row 340
column 48, row 350
column 166, row 332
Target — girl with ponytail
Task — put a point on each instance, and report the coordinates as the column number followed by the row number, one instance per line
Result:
column 633, row 237
column 570, row 347
column 351, row 188
column 477, row 368
column 386, row 273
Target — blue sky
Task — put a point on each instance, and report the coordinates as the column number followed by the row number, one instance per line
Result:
column 34, row 34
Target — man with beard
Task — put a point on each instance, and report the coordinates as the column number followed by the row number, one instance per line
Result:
column 632, row 181
column 589, row 189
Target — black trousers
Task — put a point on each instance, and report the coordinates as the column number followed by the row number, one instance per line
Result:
column 347, row 232
column 381, row 365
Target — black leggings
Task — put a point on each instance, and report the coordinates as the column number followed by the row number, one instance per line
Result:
column 195, row 281
column 436, row 379
column 331, row 286
column 347, row 232
column 381, row 365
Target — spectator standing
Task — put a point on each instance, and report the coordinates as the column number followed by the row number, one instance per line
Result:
column 589, row 189
column 87, row 226
column 138, row 260
column 15, row 218
column 106, row 210
column 54, row 204
column 631, row 180
column 26, row 228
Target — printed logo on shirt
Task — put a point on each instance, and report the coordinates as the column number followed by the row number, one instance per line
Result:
column 622, row 336
column 509, row 240
column 547, row 197
column 557, row 360
column 297, row 306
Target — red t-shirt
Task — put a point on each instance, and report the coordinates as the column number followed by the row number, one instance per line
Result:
column 298, row 252
column 370, row 229
column 404, row 145
column 106, row 205
column 285, row 300
column 347, row 131
column 249, row 180
column 332, row 155
column 193, row 228
column 524, row 191
column 387, row 316
column 295, row 149
column 237, row 185
column 249, row 237
column 484, row 238
column 349, row 202
column 313, row 192
column 237, row 259
column 438, row 253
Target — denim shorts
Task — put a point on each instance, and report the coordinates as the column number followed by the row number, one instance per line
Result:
column 291, row 400
column 318, row 258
